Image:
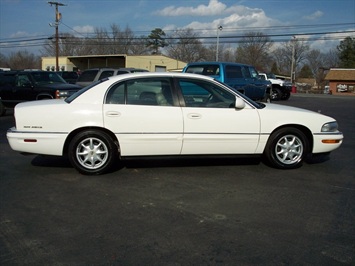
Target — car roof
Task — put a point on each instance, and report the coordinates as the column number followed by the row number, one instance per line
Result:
column 158, row 74
column 216, row 63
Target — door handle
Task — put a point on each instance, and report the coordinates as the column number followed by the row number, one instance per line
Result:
column 113, row 114
column 194, row 116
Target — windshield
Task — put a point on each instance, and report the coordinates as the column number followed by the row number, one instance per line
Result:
column 271, row 76
column 47, row 77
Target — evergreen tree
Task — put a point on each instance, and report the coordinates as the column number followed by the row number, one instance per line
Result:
column 346, row 50
column 156, row 40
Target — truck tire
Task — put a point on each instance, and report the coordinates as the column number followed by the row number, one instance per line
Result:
column 2, row 109
column 286, row 96
column 276, row 94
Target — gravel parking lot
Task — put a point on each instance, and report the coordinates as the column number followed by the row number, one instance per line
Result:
column 215, row 211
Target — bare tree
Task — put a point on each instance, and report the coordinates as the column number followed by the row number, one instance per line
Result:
column 316, row 62
column 23, row 59
column 69, row 45
column 139, row 46
column 121, row 40
column 283, row 55
column 254, row 49
column 185, row 46
column 3, row 61
column 332, row 58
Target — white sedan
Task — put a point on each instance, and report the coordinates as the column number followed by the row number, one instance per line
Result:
column 151, row 114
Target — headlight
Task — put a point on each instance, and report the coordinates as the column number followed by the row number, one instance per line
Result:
column 330, row 127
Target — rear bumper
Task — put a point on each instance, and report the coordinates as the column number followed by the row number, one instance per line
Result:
column 36, row 142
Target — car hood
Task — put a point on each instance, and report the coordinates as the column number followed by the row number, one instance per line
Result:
column 60, row 86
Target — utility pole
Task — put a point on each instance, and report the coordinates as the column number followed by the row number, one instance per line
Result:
column 293, row 60
column 220, row 28
column 58, row 17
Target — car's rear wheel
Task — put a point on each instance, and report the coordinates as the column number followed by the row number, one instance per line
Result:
column 286, row 148
column 92, row 152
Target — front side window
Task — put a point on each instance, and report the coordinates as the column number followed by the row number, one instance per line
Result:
column 198, row 93
column 152, row 91
column 246, row 72
column 253, row 72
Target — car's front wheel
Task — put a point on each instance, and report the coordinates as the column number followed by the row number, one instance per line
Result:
column 92, row 152
column 286, row 148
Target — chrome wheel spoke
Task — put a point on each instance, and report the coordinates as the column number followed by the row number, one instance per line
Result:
column 289, row 149
column 92, row 153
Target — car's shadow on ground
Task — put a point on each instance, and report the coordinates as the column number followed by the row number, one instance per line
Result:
column 152, row 162
column 167, row 161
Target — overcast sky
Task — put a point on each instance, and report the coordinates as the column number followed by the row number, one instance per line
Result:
column 29, row 19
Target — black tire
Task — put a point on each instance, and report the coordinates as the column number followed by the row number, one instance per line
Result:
column 92, row 152
column 286, row 148
column 267, row 98
column 275, row 94
column 2, row 109
column 286, row 96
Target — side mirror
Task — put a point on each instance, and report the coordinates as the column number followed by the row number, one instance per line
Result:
column 239, row 103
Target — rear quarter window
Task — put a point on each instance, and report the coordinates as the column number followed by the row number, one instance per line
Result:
column 106, row 74
column 88, row 76
column 7, row 80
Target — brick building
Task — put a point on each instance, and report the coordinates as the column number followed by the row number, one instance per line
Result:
column 341, row 81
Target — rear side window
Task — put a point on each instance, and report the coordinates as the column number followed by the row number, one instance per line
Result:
column 233, row 72
column 88, row 76
column 142, row 92
column 7, row 80
column 106, row 74
column 206, row 70
column 70, row 75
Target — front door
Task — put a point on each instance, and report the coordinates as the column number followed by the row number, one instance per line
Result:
column 211, row 123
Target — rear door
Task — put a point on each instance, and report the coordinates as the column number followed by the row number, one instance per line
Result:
column 145, row 117
column 24, row 89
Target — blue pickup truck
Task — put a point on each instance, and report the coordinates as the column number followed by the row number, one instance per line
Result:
column 241, row 77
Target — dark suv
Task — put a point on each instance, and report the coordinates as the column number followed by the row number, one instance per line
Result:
column 241, row 77
column 21, row 86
